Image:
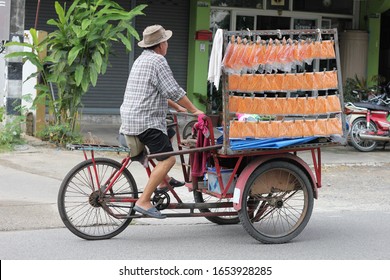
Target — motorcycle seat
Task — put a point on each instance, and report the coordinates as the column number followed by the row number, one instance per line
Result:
column 371, row 106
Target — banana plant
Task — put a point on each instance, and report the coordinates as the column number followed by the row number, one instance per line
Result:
column 78, row 52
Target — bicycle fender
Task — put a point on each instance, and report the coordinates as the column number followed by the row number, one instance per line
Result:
column 253, row 165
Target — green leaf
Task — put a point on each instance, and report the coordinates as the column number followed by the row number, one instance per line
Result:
column 60, row 12
column 97, row 58
column 93, row 74
column 71, row 9
column 27, row 45
column 34, row 36
column 79, row 32
column 125, row 41
column 73, row 54
column 133, row 32
column 53, row 22
column 85, row 81
column 85, row 24
column 79, row 74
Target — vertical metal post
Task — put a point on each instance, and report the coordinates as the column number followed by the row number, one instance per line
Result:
column 14, row 66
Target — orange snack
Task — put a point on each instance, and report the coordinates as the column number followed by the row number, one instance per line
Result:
column 269, row 48
column 233, row 103
column 260, row 54
column 283, row 128
column 320, row 127
column 320, row 106
column 266, row 82
column 327, row 50
column 294, row 83
column 308, row 81
column 330, row 80
column 235, row 129
column 252, row 105
column 288, row 82
column 282, row 105
column 273, row 83
column 262, row 129
column 258, row 106
column 333, row 104
column 242, row 105
column 318, row 78
column 278, row 82
column 258, row 82
column 229, row 52
column 233, row 82
column 334, row 126
column 294, row 106
column 269, row 106
column 309, row 108
column 244, row 82
column 297, row 129
column 252, row 58
column 248, row 129
column 236, row 59
column 316, row 50
column 249, row 49
column 274, row 131
column 293, row 128
column 302, row 48
column 308, row 128
column 251, row 83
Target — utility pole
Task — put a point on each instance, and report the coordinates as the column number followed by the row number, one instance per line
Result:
column 14, row 66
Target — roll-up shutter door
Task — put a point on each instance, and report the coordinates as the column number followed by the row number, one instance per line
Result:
column 107, row 96
column 172, row 15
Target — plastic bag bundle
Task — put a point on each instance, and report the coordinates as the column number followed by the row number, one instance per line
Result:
column 242, row 56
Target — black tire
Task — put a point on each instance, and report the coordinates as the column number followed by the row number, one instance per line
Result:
column 78, row 197
column 187, row 130
column 221, row 220
column 360, row 125
column 277, row 202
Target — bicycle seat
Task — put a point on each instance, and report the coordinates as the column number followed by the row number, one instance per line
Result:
column 371, row 106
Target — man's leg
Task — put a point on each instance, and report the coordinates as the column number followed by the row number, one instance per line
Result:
column 157, row 175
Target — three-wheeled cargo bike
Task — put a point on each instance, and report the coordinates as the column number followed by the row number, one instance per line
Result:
column 236, row 178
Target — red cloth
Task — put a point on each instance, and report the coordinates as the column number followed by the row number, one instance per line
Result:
column 199, row 159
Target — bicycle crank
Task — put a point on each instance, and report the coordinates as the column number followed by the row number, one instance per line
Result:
column 161, row 199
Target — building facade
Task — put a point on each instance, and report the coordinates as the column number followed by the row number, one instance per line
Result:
column 188, row 52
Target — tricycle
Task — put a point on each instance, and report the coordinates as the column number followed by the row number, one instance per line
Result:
column 270, row 190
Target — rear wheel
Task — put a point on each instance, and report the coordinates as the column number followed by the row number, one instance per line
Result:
column 200, row 197
column 360, row 126
column 277, row 202
column 86, row 210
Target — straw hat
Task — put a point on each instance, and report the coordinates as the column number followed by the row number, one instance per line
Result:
column 154, row 35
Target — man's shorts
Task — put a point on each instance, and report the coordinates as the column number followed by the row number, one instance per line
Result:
column 157, row 142
column 135, row 145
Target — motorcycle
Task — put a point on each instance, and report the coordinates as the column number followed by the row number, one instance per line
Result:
column 370, row 125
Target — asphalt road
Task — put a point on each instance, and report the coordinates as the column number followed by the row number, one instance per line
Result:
column 351, row 218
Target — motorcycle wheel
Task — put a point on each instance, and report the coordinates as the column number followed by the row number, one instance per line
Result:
column 358, row 126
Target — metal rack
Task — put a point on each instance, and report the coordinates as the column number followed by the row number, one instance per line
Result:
column 314, row 34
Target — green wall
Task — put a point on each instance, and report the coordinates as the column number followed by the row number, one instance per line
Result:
column 374, row 9
column 198, row 51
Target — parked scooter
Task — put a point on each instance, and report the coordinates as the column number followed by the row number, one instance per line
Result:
column 370, row 125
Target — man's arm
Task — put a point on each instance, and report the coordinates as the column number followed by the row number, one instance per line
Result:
column 186, row 103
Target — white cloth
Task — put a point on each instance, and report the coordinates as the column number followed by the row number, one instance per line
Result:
column 215, row 64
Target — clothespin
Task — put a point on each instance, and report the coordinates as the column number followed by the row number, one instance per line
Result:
column 319, row 37
column 279, row 33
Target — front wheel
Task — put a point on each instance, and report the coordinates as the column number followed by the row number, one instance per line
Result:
column 86, row 210
column 277, row 202
column 360, row 126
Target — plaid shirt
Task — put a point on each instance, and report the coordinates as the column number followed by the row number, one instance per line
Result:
column 150, row 85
